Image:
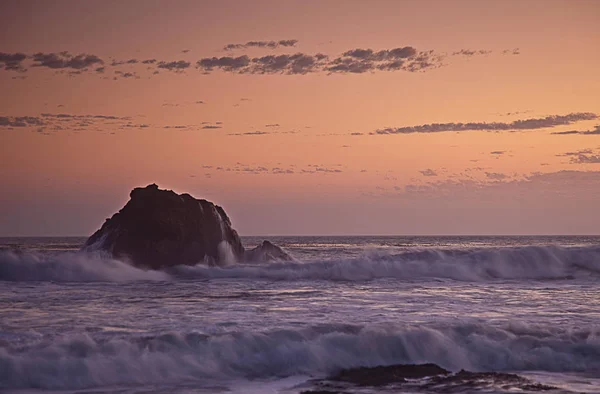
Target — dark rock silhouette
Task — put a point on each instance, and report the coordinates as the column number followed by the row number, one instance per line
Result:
column 429, row 378
column 384, row 375
column 160, row 228
column 266, row 252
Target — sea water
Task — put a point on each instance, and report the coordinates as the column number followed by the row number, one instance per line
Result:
column 76, row 322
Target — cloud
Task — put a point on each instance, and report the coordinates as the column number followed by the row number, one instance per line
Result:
column 577, row 153
column 20, row 121
column 12, row 61
column 261, row 44
column 120, row 62
column 61, row 122
column 498, row 176
column 272, row 125
column 327, row 170
column 497, row 152
column 595, row 131
column 515, row 51
column 354, row 61
column 209, row 126
column 428, row 172
column 565, row 183
column 126, row 74
column 583, row 156
column 514, row 113
column 65, row 60
column 586, row 159
column 470, row 52
column 176, row 66
column 517, row 125
column 277, row 170
column 225, row 63
column 69, row 116
column 251, row 133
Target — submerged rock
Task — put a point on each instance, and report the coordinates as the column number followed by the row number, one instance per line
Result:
column 384, row 375
column 429, row 378
column 267, row 252
column 160, row 228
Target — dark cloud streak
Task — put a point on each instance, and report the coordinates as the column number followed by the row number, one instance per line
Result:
column 261, row 44
column 517, row 125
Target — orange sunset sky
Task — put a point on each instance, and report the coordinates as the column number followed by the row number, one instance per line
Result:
column 304, row 117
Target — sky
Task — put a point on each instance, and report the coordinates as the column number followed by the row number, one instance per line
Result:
column 304, row 117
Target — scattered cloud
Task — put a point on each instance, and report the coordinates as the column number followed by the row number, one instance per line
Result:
column 123, row 74
column 565, row 182
column 210, row 126
column 65, row 60
column 353, row 61
column 250, row 133
column 595, row 131
column 497, row 152
column 515, row 51
column 115, row 63
column 470, row 52
column 272, row 125
column 428, row 172
column 20, row 121
column 497, row 176
column 586, row 159
column 58, row 122
column 12, row 61
column 517, row 125
column 277, row 170
column 177, row 66
column 514, row 113
column 261, row 44
column 583, row 156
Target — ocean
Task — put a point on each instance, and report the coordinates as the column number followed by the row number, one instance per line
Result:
column 525, row 308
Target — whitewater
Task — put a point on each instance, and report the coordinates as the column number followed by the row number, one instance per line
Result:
column 82, row 322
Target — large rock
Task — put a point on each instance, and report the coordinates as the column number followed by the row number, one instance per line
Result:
column 160, row 228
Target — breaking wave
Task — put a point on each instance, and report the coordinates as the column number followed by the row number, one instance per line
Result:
column 69, row 267
column 522, row 263
column 526, row 263
column 83, row 361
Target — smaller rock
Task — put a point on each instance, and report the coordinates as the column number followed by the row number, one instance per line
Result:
column 266, row 252
column 380, row 376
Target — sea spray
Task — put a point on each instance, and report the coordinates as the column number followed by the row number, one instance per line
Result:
column 81, row 361
column 472, row 265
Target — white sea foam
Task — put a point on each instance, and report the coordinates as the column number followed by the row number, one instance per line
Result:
column 81, row 361
column 70, row 267
column 525, row 263
column 522, row 263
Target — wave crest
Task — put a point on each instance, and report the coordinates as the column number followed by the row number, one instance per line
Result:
column 70, row 267
column 82, row 361
column 524, row 263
